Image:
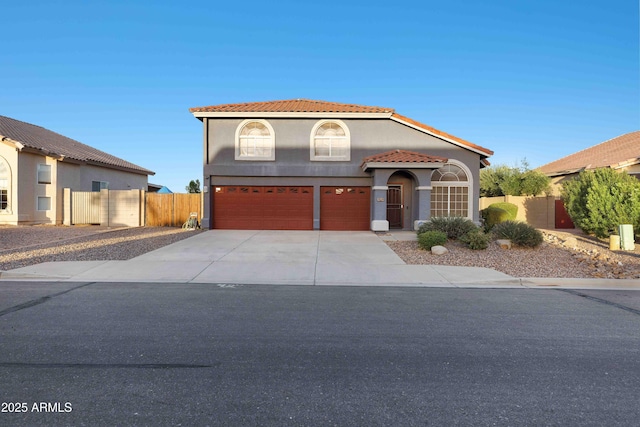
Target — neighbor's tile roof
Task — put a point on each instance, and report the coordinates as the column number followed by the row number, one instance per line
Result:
column 311, row 106
column 54, row 144
column 291, row 106
column 403, row 156
column 613, row 153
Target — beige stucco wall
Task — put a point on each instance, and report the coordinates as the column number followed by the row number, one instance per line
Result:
column 25, row 189
column 537, row 211
column 80, row 177
column 29, row 190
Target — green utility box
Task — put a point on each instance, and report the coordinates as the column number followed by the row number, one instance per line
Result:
column 627, row 242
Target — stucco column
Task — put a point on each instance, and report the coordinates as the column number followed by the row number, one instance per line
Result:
column 423, row 193
column 66, row 206
column 207, row 190
column 379, row 200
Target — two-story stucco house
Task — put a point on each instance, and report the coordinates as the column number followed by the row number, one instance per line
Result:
column 303, row 164
column 36, row 164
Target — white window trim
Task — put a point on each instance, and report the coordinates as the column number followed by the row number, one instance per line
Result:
column 38, row 204
column 270, row 158
column 8, row 188
column 468, row 184
column 312, row 143
column 40, row 167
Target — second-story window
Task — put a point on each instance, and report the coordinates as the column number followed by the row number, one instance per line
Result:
column 330, row 141
column 44, row 174
column 255, row 140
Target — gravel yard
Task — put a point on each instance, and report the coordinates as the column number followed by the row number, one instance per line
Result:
column 567, row 255
column 561, row 255
column 29, row 245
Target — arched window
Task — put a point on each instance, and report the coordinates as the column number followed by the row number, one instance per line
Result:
column 450, row 191
column 5, row 185
column 255, row 140
column 330, row 141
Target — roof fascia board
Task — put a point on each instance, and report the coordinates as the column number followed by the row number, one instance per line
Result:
column 12, row 142
column 466, row 147
column 41, row 153
column 263, row 114
column 626, row 163
column 402, row 165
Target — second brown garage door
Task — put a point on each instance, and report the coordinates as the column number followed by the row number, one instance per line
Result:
column 345, row 208
column 262, row 208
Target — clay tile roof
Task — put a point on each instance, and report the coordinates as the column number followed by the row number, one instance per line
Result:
column 403, row 156
column 616, row 152
column 56, row 145
column 291, row 106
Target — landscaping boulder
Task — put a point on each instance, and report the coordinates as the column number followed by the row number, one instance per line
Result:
column 439, row 250
column 570, row 242
column 504, row 243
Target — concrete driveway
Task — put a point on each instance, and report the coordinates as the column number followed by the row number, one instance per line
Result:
column 267, row 257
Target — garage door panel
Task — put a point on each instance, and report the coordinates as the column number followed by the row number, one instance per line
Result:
column 262, row 208
column 345, row 208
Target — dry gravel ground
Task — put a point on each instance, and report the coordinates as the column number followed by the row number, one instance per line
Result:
column 561, row 255
column 566, row 255
column 22, row 246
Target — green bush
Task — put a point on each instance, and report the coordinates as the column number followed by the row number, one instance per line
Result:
column 520, row 233
column 598, row 201
column 453, row 226
column 511, row 209
column 476, row 239
column 515, row 181
column 428, row 239
column 493, row 215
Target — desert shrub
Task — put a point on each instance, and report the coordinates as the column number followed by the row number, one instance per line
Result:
column 453, row 226
column 515, row 181
column 428, row 239
column 511, row 209
column 476, row 239
column 520, row 233
column 493, row 215
column 598, row 201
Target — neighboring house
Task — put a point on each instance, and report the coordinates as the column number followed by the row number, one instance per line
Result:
column 153, row 188
column 303, row 164
column 621, row 153
column 36, row 164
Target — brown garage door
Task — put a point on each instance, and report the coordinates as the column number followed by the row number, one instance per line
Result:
column 345, row 208
column 262, row 208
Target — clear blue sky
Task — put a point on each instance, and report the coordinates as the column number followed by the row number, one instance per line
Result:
column 529, row 78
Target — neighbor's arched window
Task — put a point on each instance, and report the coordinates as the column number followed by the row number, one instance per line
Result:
column 450, row 191
column 5, row 185
column 255, row 140
column 330, row 141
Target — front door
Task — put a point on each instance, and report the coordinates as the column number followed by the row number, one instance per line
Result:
column 394, row 206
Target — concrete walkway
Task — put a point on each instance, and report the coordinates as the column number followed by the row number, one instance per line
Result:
column 289, row 258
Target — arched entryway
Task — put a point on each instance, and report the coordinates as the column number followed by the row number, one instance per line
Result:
column 400, row 209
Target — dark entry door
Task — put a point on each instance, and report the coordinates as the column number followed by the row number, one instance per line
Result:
column 394, row 206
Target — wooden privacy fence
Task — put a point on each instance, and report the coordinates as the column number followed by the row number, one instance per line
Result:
column 129, row 208
column 171, row 210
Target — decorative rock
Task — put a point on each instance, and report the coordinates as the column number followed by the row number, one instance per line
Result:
column 570, row 242
column 439, row 250
column 504, row 243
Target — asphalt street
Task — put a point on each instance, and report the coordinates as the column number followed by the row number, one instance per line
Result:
column 189, row 354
